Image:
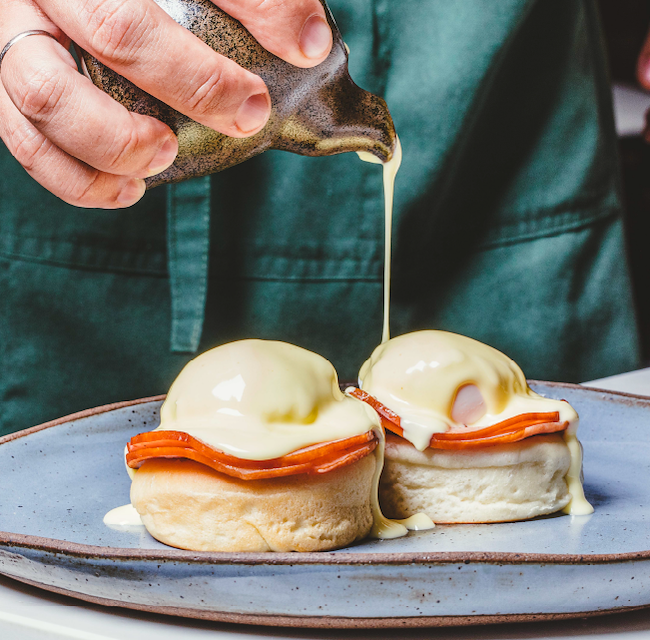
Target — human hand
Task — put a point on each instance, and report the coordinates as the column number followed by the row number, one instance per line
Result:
column 88, row 149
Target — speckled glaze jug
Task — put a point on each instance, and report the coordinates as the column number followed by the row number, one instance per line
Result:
column 315, row 112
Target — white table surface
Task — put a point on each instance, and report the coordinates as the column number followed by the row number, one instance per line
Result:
column 27, row 613
column 630, row 106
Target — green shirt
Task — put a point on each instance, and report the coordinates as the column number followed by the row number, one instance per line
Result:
column 507, row 225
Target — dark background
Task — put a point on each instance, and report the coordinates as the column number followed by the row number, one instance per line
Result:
column 626, row 24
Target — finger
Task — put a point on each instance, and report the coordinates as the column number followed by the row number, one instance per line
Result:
column 295, row 30
column 64, row 176
column 138, row 40
column 42, row 80
column 643, row 65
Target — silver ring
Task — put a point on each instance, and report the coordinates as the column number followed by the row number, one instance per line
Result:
column 20, row 36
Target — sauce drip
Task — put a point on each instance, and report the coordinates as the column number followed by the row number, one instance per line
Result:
column 384, row 528
column 390, row 170
column 125, row 516
column 579, row 505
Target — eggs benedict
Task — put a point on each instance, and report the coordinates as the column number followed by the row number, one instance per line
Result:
column 469, row 440
column 259, row 450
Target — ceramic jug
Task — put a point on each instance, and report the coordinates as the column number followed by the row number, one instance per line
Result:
column 315, row 112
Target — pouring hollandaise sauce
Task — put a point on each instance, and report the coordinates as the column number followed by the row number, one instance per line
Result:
column 473, row 365
column 257, row 410
column 390, row 170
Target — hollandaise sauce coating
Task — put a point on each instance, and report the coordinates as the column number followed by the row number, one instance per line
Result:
column 259, row 400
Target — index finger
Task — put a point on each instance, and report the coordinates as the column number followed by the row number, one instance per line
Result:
column 138, row 40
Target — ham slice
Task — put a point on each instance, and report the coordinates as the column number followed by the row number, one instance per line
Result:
column 318, row 458
column 513, row 429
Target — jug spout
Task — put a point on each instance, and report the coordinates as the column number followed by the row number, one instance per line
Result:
column 339, row 118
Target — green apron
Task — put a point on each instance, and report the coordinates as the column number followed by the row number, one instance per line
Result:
column 507, row 225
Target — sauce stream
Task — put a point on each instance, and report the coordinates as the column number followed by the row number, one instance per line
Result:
column 390, row 170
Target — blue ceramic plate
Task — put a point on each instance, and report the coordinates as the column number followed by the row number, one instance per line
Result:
column 60, row 479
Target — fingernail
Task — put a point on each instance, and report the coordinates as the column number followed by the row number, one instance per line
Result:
column 316, row 38
column 164, row 158
column 253, row 114
column 132, row 191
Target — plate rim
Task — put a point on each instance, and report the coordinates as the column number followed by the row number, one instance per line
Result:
column 74, row 549
column 333, row 622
